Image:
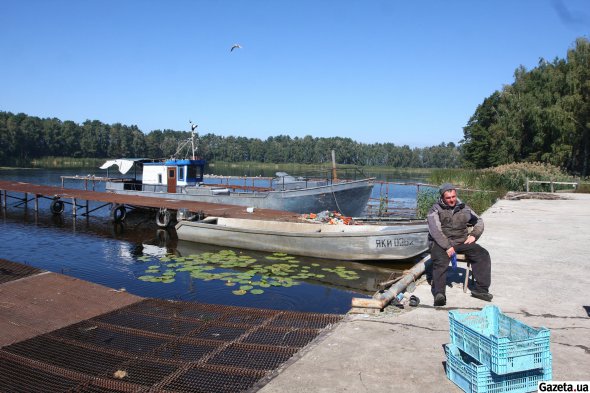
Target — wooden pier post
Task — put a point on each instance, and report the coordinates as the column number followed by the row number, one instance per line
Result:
column 334, row 175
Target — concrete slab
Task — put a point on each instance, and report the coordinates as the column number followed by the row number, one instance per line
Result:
column 539, row 276
column 47, row 301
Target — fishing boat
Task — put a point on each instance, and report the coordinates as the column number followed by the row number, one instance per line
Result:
column 183, row 179
column 402, row 240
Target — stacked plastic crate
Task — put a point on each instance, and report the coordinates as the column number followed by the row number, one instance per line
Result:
column 491, row 352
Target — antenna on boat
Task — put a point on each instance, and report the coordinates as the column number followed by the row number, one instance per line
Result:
column 182, row 147
column 193, row 128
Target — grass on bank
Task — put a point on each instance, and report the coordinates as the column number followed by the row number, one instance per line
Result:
column 480, row 188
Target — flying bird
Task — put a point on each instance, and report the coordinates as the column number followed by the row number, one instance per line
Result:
column 235, row 46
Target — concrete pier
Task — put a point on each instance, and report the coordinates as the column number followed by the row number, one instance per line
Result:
column 540, row 275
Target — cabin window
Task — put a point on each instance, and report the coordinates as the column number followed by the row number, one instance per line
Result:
column 181, row 173
column 171, row 173
column 160, row 178
column 192, row 172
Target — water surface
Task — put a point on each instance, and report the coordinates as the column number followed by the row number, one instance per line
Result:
column 96, row 250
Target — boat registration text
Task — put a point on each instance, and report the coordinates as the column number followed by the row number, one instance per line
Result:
column 397, row 242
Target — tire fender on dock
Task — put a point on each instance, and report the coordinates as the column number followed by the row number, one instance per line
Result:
column 163, row 218
column 57, row 206
column 118, row 213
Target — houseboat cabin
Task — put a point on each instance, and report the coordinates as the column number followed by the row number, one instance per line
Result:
column 157, row 176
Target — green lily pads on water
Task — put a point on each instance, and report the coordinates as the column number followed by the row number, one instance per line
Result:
column 222, row 266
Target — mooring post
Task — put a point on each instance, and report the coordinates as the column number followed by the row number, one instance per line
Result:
column 527, row 184
column 334, row 175
column 36, row 202
column 74, row 207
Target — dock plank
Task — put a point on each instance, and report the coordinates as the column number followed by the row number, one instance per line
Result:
column 210, row 209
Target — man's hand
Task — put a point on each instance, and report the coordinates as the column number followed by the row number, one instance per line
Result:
column 451, row 251
column 470, row 239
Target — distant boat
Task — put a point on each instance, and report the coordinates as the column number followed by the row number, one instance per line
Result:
column 402, row 240
column 182, row 179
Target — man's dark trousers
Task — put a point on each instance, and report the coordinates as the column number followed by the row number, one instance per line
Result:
column 480, row 261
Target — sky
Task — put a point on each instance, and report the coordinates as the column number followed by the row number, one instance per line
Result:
column 376, row 71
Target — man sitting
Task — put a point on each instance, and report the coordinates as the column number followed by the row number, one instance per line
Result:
column 448, row 222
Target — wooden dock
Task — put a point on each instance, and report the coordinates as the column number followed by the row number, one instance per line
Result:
column 78, row 200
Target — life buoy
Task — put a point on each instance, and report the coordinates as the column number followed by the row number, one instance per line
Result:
column 118, row 213
column 163, row 218
column 57, row 206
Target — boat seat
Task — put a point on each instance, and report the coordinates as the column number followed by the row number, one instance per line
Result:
column 461, row 258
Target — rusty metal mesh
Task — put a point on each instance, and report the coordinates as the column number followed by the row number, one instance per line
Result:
column 10, row 271
column 164, row 346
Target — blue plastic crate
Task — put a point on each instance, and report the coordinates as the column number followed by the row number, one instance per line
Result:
column 499, row 342
column 472, row 377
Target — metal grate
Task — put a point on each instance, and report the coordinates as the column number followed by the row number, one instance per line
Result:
column 159, row 345
column 10, row 271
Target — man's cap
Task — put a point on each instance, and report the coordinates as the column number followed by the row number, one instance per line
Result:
column 446, row 187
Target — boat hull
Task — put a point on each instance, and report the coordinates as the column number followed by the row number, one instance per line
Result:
column 349, row 198
column 354, row 242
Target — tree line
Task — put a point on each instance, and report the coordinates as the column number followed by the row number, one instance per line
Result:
column 543, row 116
column 24, row 138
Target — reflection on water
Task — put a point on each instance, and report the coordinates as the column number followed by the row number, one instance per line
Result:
column 93, row 249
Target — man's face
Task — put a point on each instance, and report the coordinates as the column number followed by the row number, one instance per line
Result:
column 450, row 198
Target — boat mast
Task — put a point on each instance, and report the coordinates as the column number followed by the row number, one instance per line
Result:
column 193, row 127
